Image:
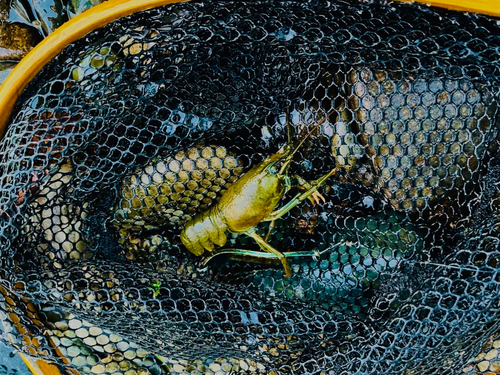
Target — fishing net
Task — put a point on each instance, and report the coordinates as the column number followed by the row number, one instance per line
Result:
column 134, row 129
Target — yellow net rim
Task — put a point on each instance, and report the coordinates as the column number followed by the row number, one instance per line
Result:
column 489, row 7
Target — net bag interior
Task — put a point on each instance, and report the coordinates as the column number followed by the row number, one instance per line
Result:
column 132, row 130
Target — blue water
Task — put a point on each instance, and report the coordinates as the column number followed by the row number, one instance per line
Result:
column 10, row 362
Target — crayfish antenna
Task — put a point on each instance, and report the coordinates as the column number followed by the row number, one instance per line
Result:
column 289, row 128
column 318, row 124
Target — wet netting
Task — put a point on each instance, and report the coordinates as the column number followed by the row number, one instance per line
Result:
column 118, row 144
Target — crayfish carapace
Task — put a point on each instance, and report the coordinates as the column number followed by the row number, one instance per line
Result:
column 250, row 200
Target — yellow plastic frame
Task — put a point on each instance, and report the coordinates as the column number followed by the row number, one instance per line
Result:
column 490, row 7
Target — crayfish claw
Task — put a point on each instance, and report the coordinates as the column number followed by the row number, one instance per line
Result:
column 317, row 198
column 316, row 255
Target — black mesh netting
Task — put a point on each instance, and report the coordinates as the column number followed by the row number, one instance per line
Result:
column 132, row 130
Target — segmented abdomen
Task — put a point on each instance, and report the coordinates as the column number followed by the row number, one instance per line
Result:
column 205, row 230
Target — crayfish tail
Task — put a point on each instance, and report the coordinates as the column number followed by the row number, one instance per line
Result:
column 219, row 237
column 203, row 231
column 194, row 247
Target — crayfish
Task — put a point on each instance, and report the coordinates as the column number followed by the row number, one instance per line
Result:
column 250, row 200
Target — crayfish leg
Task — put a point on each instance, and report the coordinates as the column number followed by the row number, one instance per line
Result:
column 266, row 247
column 270, row 230
column 316, row 197
column 256, row 256
column 300, row 197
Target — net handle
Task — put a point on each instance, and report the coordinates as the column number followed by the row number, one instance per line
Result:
column 53, row 44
